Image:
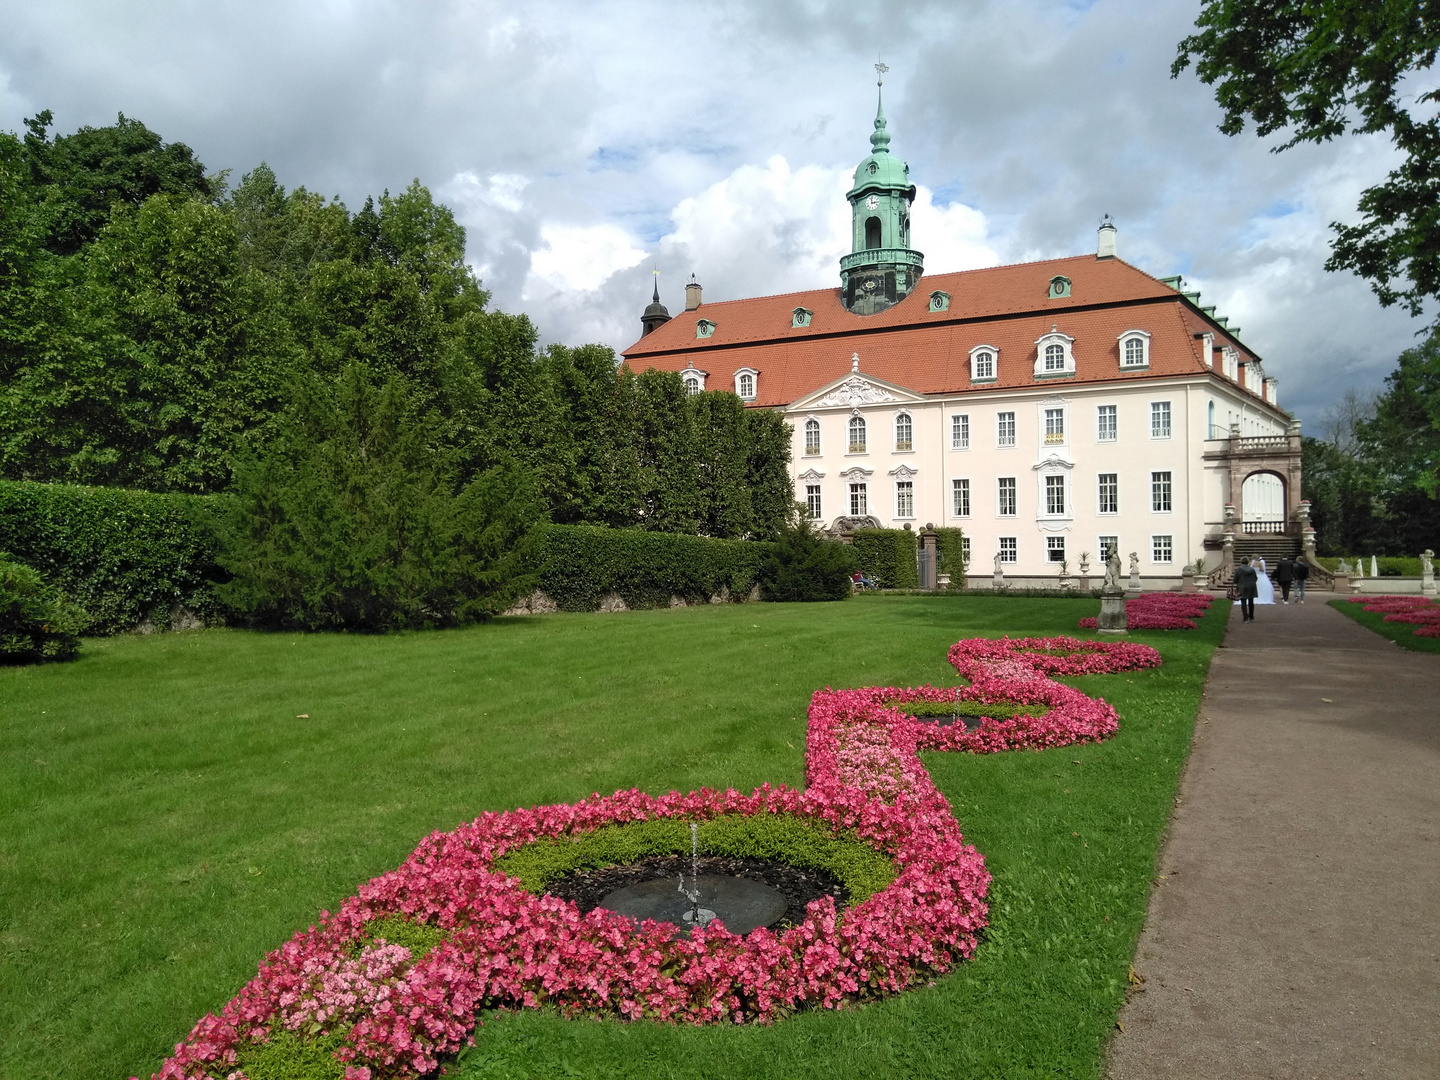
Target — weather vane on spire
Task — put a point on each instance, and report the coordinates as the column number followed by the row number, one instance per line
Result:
column 880, row 69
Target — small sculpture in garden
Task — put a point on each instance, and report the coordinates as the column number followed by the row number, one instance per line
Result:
column 1134, row 572
column 1112, row 572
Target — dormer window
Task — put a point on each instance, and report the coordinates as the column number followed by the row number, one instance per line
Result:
column 1054, row 356
column 801, row 317
column 1059, row 286
column 983, row 363
column 1135, row 349
column 704, row 328
column 904, row 432
column 745, row 381
column 693, row 379
column 939, row 301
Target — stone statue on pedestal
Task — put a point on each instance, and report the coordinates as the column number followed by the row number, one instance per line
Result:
column 1112, row 597
column 1427, row 572
column 999, row 573
column 1134, row 572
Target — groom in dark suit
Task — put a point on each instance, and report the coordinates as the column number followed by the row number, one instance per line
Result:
column 1247, row 584
column 1284, row 575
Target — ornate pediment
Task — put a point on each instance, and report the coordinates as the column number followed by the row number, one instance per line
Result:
column 1054, row 461
column 811, row 474
column 904, row 472
column 856, row 390
column 856, row 474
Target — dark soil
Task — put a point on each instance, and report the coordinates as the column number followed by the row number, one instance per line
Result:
column 969, row 723
column 799, row 886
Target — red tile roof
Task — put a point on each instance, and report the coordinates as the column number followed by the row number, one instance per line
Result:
column 929, row 351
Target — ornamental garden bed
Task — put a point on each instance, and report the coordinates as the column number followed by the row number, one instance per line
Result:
column 200, row 820
column 1412, row 622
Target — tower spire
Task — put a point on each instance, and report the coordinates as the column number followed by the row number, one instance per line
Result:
column 880, row 138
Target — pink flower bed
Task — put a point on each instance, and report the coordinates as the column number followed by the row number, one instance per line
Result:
column 506, row 947
column 1161, row 611
column 1418, row 611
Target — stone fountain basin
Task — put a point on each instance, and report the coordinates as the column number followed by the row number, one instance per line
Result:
column 740, row 903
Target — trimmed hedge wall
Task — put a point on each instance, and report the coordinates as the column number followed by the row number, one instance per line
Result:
column 888, row 557
column 123, row 556
column 581, row 564
column 950, row 552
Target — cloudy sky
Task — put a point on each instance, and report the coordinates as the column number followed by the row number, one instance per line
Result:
column 585, row 144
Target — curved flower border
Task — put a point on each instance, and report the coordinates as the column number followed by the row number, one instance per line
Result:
column 1418, row 611
column 507, row 947
column 1161, row 611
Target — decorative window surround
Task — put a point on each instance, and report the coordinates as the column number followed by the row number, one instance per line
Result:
column 1059, row 286
column 812, row 436
column 1134, row 350
column 1053, row 466
column 904, row 433
column 747, row 383
column 704, row 328
column 984, row 364
column 856, row 474
column 696, row 376
column 814, row 475
column 939, row 301
column 801, row 317
column 1066, row 368
column 859, row 438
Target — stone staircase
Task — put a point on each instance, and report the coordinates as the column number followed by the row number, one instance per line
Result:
column 1271, row 547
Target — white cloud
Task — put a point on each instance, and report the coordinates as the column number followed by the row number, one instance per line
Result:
column 581, row 257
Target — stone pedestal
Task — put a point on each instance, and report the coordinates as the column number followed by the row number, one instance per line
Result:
column 1112, row 613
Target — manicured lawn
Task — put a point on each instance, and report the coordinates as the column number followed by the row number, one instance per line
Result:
column 166, row 816
column 1403, row 634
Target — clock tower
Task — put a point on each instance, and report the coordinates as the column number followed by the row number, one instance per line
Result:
column 881, row 268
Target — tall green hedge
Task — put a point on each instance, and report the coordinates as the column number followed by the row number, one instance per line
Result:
column 950, row 549
column 123, row 556
column 888, row 557
column 581, row 564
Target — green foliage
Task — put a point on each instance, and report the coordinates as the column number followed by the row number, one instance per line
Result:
column 888, row 557
column 950, row 555
column 36, row 621
column 1388, row 565
column 1375, row 487
column 772, row 492
column 420, row 938
column 797, row 841
column 288, row 1056
column 1402, row 634
column 804, row 565
column 1315, row 70
column 124, row 557
column 357, row 518
column 578, row 565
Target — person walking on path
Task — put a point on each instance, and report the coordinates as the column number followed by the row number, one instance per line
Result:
column 1246, row 586
column 1284, row 575
column 1302, row 574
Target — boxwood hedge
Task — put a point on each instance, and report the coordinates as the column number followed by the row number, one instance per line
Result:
column 887, row 556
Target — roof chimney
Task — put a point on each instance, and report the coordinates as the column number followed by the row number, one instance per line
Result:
column 1105, row 248
column 692, row 294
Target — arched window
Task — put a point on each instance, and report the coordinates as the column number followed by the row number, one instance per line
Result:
column 982, row 365
column 1055, row 357
column 857, row 435
column 812, row 437
column 692, row 384
column 872, row 232
column 904, row 432
column 746, row 384
column 1134, row 351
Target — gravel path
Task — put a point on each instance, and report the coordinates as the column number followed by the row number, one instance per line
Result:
column 1294, row 931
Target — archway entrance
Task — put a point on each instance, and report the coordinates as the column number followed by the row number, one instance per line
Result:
column 1262, row 499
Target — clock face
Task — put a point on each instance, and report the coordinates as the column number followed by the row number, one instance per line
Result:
column 872, row 202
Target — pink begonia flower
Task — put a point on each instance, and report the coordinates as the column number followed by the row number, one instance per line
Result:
column 506, row 947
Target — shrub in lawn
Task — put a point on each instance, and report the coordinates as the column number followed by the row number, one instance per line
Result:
column 124, row 557
column 803, row 565
column 950, row 553
column 888, row 557
column 36, row 621
column 357, row 518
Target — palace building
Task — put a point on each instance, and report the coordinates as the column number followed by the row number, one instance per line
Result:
column 1049, row 409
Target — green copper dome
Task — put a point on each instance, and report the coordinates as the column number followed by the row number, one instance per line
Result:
column 880, row 169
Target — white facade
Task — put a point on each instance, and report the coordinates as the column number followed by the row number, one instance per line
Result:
column 1036, row 474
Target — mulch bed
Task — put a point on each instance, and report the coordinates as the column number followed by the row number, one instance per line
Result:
column 799, row 886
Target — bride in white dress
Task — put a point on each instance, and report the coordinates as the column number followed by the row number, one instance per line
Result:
column 1264, row 589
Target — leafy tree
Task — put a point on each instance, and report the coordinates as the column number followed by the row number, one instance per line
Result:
column 358, row 518
column 667, row 448
column 1343, row 506
column 1316, row 70
column 88, row 173
column 767, row 472
column 722, row 453
column 1402, row 445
